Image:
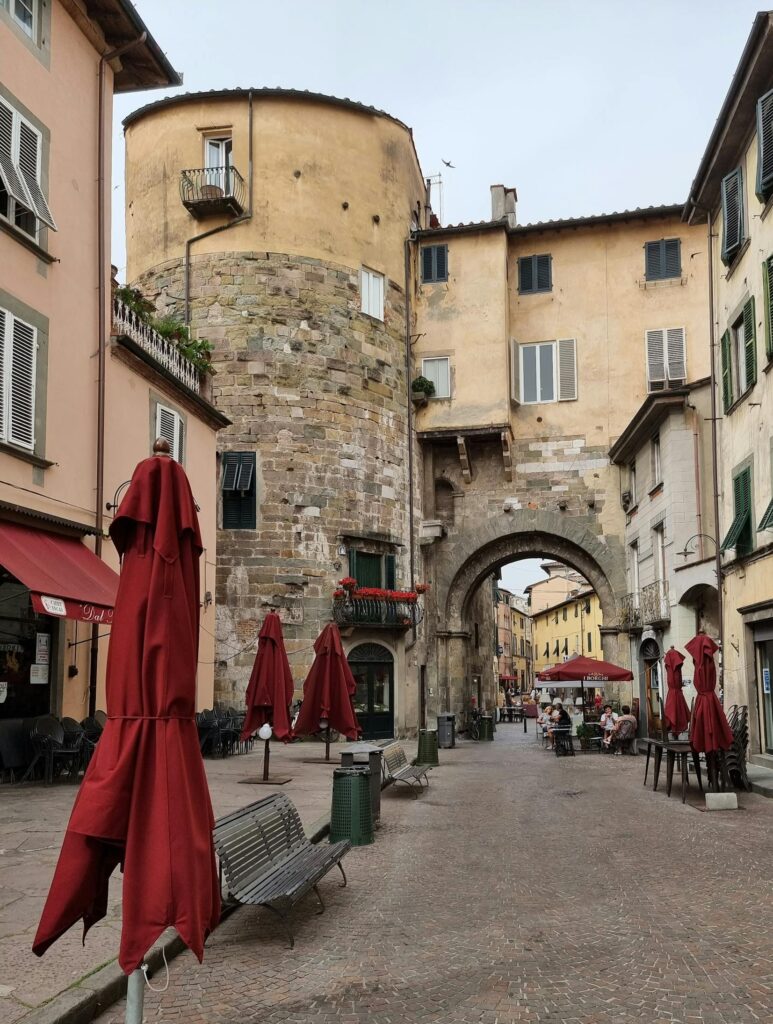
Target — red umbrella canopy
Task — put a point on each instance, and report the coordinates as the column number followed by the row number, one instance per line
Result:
column 144, row 801
column 710, row 730
column 271, row 687
column 676, row 712
column 329, row 688
column 586, row 670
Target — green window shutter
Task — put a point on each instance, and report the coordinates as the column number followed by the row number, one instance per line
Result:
column 239, row 493
column 765, row 146
column 727, row 372
column 739, row 534
column 750, row 342
column 353, row 563
column 672, row 257
column 652, row 261
column 766, row 523
column 544, row 273
column 767, row 272
column 427, row 262
column 389, row 572
column 732, row 214
column 368, row 570
column 525, row 274
column 434, row 263
column 229, row 471
column 441, row 262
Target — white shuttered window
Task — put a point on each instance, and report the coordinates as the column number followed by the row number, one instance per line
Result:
column 372, row 293
column 546, row 371
column 21, row 195
column 666, row 360
column 438, row 370
column 18, row 357
column 170, row 425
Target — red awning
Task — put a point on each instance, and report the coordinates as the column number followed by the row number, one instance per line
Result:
column 65, row 578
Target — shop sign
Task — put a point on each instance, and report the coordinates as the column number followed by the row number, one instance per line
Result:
column 39, row 675
column 53, row 605
column 42, row 648
column 766, row 680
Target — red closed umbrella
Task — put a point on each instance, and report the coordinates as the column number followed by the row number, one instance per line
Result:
column 144, row 801
column 271, row 687
column 676, row 712
column 710, row 730
column 328, row 690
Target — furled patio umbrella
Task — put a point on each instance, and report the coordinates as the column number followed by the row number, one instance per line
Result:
column 676, row 712
column 710, row 731
column 328, row 691
column 144, row 801
column 270, row 692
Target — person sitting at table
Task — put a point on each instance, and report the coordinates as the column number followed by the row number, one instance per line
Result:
column 623, row 731
column 608, row 720
column 543, row 720
column 560, row 720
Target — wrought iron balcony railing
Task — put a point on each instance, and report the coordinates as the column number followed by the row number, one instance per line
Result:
column 630, row 611
column 208, row 191
column 381, row 613
column 127, row 324
column 655, row 606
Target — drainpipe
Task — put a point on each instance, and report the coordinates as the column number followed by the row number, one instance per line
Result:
column 222, row 227
column 697, row 475
column 411, row 552
column 102, row 337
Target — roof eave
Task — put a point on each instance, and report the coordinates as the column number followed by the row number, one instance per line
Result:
column 144, row 66
column 655, row 408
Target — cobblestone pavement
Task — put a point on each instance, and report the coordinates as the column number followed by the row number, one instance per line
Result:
column 32, row 823
column 518, row 888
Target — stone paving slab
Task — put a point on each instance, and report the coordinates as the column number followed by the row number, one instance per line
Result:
column 519, row 888
column 32, row 823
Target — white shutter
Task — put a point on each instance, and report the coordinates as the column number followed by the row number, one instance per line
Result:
column 677, row 369
column 656, row 360
column 180, row 456
column 29, row 165
column 21, row 407
column 5, row 321
column 372, row 293
column 515, row 373
column 9, row 172
column 167, row 427
column 567, row 370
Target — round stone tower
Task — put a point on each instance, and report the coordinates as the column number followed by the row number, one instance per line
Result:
column 274, row 222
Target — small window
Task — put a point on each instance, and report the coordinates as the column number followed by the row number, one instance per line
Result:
column 372, row 293
column 590, row 642
column 666, row 362
column 372, row 570
column 18, row 372
column 634, row 575
column 765, row 147
column 434, row 263
column 564, row 613
column 218, row 163
column 535, row 274
column 171, row 425
column 740, row 535
column 576, row 610
column 632, row 483
column 659, row 551
column 662, row 259
column 25, row 13
column 739, row 356
column 547, row 371
column 237, row 483
column 21, row 196
column 656, row 466
column 733, row 226
column 438, row 370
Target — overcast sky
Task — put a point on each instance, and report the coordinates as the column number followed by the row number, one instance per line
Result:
column 584, row 107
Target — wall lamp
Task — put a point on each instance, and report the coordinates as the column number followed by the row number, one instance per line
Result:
column 685, row 553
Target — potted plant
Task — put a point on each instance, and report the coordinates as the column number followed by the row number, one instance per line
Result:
column 584, row 732
column 421, row 389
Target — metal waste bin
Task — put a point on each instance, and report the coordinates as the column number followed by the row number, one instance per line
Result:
column 487, row 727
column 357, row 754
column 350, row 814
column 446, row 730
column 427, row 752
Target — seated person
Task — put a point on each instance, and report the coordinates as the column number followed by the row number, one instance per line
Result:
column 625, row 726
column 608, row 720
column 560, row 720
column 543, row 720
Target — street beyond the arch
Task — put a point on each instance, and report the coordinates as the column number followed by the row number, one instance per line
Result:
column 519, row 887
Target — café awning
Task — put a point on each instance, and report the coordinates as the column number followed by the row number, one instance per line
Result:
column 65, row 579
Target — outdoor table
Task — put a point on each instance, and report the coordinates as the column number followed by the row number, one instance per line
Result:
column 674, row 749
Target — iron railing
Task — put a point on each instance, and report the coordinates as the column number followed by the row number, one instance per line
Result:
column 630, row 610
column 211, row 190
column 655, row 606
column 377, row 612
column 126, row 323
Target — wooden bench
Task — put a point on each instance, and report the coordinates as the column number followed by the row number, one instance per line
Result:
column 267, row 859
column 398, row 768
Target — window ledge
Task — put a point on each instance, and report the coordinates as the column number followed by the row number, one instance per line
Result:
column 536, row 291
column 27, row 242
column 663, row 282
column 654, row 491
column 741, row 398
column 25, row 456
column 631, row 512
column 731, row 267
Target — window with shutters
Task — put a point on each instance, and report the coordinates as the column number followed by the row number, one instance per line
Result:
column 171, row 426
column 765, row 147
column 767, row 287
column 22, row 202
column 666, row 360
column 18, row 371
column 535, row 273
column 434, row 263
column 738, row 350
column 733, row 220
column 438, row 370
column 237, row 484
column 25, row 14
column 662, row 259
column 372, row 293
column 657, row 468
column 373, row 570
column 546, row 371
column 740, row 535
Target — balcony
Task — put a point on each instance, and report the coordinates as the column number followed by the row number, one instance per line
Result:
column 212, row 191
column 646, row 607
column 376, row 613
column 630, row 611
column 128, row 325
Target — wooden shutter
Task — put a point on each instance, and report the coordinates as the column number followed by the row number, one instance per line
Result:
column 515, row 373
column 672, row 259
column 427, row 268
column 676, row 366
column 727, row 371
column 767, row 267
column 9, row 172
column 656, row 361
column 168, row 425
column 239, row 497
column 765, row 146
column 652, row 261
column 732, row 214
column 567, row 370
column 4, row 324
column 750, row 342
column 525, row 274
column 441, row 262
column 29, row 165
column 246, row 472
column 230, row 471
column 544, row 278
column 390, row 576
column 21, row 406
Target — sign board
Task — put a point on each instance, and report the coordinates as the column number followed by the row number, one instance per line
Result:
column 42, row 649
column 53, row 605
column 766, row 680
column 3, row 692
column 38, row 675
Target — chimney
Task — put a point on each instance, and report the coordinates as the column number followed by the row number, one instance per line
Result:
column 503, row 204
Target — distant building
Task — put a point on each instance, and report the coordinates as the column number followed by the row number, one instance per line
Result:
column 566, row 623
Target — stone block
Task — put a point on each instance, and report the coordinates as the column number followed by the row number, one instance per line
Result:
column 721, row 802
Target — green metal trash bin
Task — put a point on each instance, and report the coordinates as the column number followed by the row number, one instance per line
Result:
column 350, row 814
column 486, row 727
column 427, row 753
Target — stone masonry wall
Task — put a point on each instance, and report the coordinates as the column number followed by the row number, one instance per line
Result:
column 317, row 389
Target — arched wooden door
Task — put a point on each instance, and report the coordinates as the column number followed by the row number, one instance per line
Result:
column 374, row 672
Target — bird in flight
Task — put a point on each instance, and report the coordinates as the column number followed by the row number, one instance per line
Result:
column 448, row 164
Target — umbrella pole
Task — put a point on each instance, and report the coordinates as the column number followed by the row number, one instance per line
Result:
column 327, row 743
column 266, row 755
column 135, row 997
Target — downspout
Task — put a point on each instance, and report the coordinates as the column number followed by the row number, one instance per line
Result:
column 99, row 518
column 409, row 402
column 697, row 475
column 222, row 227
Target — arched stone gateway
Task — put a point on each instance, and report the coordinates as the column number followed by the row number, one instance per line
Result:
column 464, row 562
